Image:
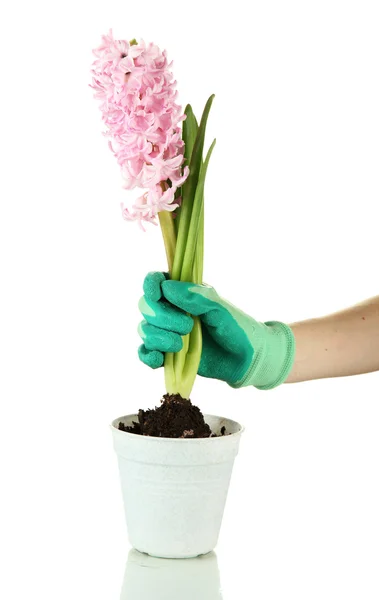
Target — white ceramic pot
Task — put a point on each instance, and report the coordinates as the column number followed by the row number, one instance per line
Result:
column 148, row 578
column 175, row 490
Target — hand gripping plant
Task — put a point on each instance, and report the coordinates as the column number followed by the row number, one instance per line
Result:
column 136, row 89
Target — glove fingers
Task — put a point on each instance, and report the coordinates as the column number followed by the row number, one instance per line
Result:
column 194, row 299
column 151, row 358
column 213, row 317
column 223, row 328
column 155, row 338
column 163, row 315
column 203, row 301
column 226, row 332
column 152, row 285
column 213, row 357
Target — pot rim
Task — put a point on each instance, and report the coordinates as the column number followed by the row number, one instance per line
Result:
column 206, row 440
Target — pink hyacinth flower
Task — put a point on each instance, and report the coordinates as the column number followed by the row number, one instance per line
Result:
column 137, row 95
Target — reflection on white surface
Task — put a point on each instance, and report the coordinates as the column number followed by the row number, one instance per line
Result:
column 148, row 578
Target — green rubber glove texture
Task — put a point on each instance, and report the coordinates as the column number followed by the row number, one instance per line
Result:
column 236, row 348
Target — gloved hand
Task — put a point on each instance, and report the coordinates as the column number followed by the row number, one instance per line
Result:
column 236, row 348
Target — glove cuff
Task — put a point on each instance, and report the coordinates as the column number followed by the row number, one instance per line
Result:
column 273, row 358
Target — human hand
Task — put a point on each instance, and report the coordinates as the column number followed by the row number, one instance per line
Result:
column 236, row 348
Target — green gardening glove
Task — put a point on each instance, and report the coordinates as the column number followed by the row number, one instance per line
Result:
column 236, row 348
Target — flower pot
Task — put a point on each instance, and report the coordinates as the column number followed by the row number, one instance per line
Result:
column 174, row 490
column 194, row 579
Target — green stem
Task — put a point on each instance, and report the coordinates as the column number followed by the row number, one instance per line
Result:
column 179, row 363
column 169, row 373
column 195, row 343
column 169, row 237
column 192, row 360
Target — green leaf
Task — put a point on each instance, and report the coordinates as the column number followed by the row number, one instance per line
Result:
column 190, row 129
column 197, row 275
column 181, row 368
column 195, row 223
column 189, row 190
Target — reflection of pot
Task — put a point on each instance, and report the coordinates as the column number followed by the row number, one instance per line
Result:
column 174, row 490
column 148, row 578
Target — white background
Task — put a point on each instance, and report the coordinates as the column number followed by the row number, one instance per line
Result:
column 291, row 233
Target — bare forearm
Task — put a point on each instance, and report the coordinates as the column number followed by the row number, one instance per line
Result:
column 341, row 344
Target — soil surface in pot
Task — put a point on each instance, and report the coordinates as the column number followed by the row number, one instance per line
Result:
column 175, row 418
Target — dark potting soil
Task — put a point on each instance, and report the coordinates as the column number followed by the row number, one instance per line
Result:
column 175, row 418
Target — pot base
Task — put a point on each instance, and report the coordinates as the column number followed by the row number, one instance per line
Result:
column 175, row 557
